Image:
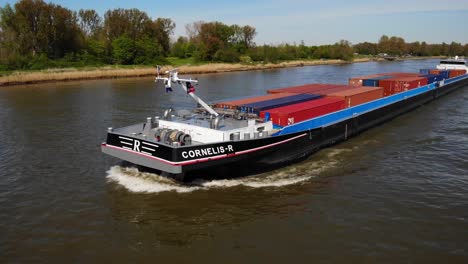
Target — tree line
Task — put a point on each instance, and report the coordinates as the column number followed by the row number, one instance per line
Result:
column 36, row 35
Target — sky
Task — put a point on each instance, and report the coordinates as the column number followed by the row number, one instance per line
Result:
column 315, row 22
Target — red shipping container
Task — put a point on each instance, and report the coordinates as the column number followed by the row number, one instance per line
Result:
column 322, row 89
column 234, row 104
column 307, row 88
column 359, row 95
column 295, row 113
column 455, row 73
column 401, row 84
column 357, row 81
column 335, row 89
column 401, row 74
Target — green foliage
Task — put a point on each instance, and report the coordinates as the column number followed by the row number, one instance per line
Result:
column 270, row 54
column 163, row 29
column 96, row 51
column 39, row 62
column 245, row 59
column 366, row 48
column 148, row 51
column 174, row 61
column 124, row 50
column 182, row 48
column 227, row 55
column 35, row 34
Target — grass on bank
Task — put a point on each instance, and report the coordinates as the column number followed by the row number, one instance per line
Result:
column 186, row 66
column 120, row 71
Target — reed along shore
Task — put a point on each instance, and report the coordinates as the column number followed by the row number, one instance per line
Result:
column 109, row 72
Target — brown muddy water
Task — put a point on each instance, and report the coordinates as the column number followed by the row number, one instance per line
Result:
column 396, row 193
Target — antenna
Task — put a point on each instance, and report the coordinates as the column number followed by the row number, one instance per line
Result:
column 186, row 84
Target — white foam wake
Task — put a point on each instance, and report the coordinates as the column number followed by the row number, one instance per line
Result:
column 143, row 182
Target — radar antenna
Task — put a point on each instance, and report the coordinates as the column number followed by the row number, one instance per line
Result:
column 186, row 84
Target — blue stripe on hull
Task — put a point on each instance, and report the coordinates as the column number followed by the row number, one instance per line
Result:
column 354, row 111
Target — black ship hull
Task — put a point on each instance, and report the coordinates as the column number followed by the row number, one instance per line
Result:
column 237, row 158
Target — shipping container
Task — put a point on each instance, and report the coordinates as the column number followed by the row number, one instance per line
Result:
column 295, row 113
column 431, row 78
column 455, row 73
column 400, row 84
column 306, row 88
column 279, row 102
column 398, row 74
column 357, row 81
column 374, row 82
column 444, row 73
column 359, row 95
column 234, row 104
column 340, row 88
column 425, row 71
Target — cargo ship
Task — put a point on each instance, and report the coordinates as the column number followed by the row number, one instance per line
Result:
column 281, row 127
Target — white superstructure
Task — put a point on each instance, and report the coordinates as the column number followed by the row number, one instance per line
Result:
column 457, row 63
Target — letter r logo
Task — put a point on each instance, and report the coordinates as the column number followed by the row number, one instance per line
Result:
column 136, row 145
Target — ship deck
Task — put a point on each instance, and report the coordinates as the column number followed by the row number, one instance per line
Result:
column 199, row 120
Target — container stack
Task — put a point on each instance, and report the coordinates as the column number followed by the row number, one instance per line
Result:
column 425, row 71
column 435, row 75
column 432, row 78
column 372, row 80
column 444, row 73
column 307, row 88
column 257, row 107
column 359, row 95
column 235, row 104
column 456, row 73
column 291, row 114
column 358, row 81
column 397, row 85
column 289, row 105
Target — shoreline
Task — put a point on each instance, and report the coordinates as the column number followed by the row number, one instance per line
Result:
column 110, row 72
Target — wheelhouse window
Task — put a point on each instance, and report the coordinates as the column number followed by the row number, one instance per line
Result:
column 453, row 62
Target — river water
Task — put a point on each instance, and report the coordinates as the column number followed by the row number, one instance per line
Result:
column 396, row 193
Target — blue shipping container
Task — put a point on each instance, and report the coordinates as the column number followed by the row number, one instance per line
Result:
column 445, row 73
column 425, row 71
column 431, row 78
column 278, row 102
column 374, row 82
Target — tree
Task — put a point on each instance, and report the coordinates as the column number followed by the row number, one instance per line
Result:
column 211, row 37
column 31, row 26
column 8, row 45
column 182, row 48
column 248, row 34
column 342, row 50
column 130, row 22
column 366, row 48
column 455, row 49
column 164, row 28
column 147, row 51
column 424, row 50
column 124, row 50
column 243, row 37
column 39, row 28
column 393, row 45
column 90, row 22
column 384, row 44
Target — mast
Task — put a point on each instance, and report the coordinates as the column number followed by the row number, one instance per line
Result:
column 184, row 83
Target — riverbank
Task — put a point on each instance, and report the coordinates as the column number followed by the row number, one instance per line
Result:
column 109, row 72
